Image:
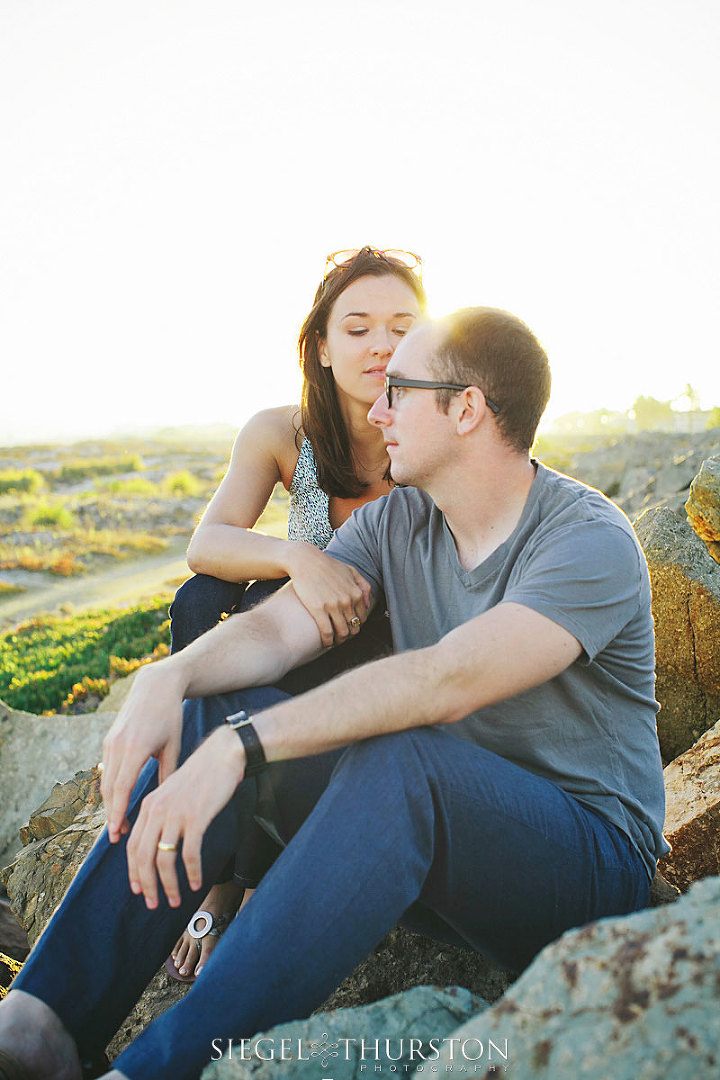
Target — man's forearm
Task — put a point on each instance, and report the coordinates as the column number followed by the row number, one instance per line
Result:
column 250, row 649
column 383, row 696
column 474, row 666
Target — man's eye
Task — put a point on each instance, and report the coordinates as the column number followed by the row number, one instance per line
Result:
column 397, row 392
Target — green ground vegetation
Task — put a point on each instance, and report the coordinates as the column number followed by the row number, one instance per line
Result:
column 68, row 663
column 20, row 480
column 67, row 510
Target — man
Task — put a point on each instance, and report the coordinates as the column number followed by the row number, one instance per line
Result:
column 501, row 778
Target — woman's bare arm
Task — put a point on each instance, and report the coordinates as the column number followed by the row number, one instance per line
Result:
column 225, row 546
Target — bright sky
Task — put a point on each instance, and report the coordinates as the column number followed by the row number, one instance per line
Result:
column 173, row 173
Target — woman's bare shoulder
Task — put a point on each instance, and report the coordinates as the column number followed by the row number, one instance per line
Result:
column 276, row 432
column 278, row 426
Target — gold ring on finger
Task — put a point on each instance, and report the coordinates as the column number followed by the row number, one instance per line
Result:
column 163, row 846
column 355, row 622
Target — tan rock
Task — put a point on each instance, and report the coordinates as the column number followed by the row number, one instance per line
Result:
column 686, row 608
column 692, row 819
column 35, row 753
column 703, row 505
column 118, row 693
column 9, row 968
column 63, row 805
column 57, row 840
column 40, row 875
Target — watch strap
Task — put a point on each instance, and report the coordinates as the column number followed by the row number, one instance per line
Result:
column 255, row 761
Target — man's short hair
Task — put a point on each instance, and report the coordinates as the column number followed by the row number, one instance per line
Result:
column 496, row 351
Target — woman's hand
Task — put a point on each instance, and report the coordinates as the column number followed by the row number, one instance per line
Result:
column 333, row 593
column 148, row 725
column 178, row 812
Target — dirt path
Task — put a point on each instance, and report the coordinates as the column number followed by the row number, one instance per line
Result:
column 123, row 583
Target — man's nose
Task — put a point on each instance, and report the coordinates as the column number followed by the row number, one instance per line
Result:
column 379, row 413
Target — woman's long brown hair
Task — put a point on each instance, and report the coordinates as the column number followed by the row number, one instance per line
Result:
column 321, row 416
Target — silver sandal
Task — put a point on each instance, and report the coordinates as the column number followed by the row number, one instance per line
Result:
column 202, row 923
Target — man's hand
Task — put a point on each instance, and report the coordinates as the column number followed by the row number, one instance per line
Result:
column 148, row 725
column 179, row 812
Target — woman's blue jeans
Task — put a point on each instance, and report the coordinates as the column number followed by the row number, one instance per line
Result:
column 420, row 827
column 199, row 604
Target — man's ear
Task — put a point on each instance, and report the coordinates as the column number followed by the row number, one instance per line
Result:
column 471, row 409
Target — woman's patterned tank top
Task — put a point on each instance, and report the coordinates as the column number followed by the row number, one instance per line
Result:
column 309, row 516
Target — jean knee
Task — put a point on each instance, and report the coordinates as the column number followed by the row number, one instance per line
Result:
column 393, row 754
column 199, row 604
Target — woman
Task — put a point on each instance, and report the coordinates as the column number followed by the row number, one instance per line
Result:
column 331, row 461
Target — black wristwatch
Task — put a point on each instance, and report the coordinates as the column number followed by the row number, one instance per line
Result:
column 255, row 761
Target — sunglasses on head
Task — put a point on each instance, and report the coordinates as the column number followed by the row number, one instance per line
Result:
column 341, row 259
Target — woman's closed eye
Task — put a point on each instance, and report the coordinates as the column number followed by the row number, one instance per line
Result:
column 360, row 331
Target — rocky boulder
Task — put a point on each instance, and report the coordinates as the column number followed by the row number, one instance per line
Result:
column 351, row 1043
column 9, row 968
column 692, row 819
column 703, row 505
column 640, row 471
column 686, row 608
column 35, row 752
column 58, row 837
column 625, row 998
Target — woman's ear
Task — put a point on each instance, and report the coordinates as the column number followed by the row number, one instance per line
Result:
column 323, row 355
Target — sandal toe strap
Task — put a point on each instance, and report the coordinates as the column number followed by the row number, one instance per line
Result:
column 204, row 923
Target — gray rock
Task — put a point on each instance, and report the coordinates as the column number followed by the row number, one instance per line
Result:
column 35, row 753
column 644, row 470
column 633, row 998
column 350, row 1044
column 675, row 477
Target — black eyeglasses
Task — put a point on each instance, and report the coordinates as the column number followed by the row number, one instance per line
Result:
column 408, row 259
column 425, row 384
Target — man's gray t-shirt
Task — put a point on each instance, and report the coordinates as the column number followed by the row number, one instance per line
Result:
column 574, row 558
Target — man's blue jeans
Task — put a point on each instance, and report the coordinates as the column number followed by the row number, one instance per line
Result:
column 420, row 827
